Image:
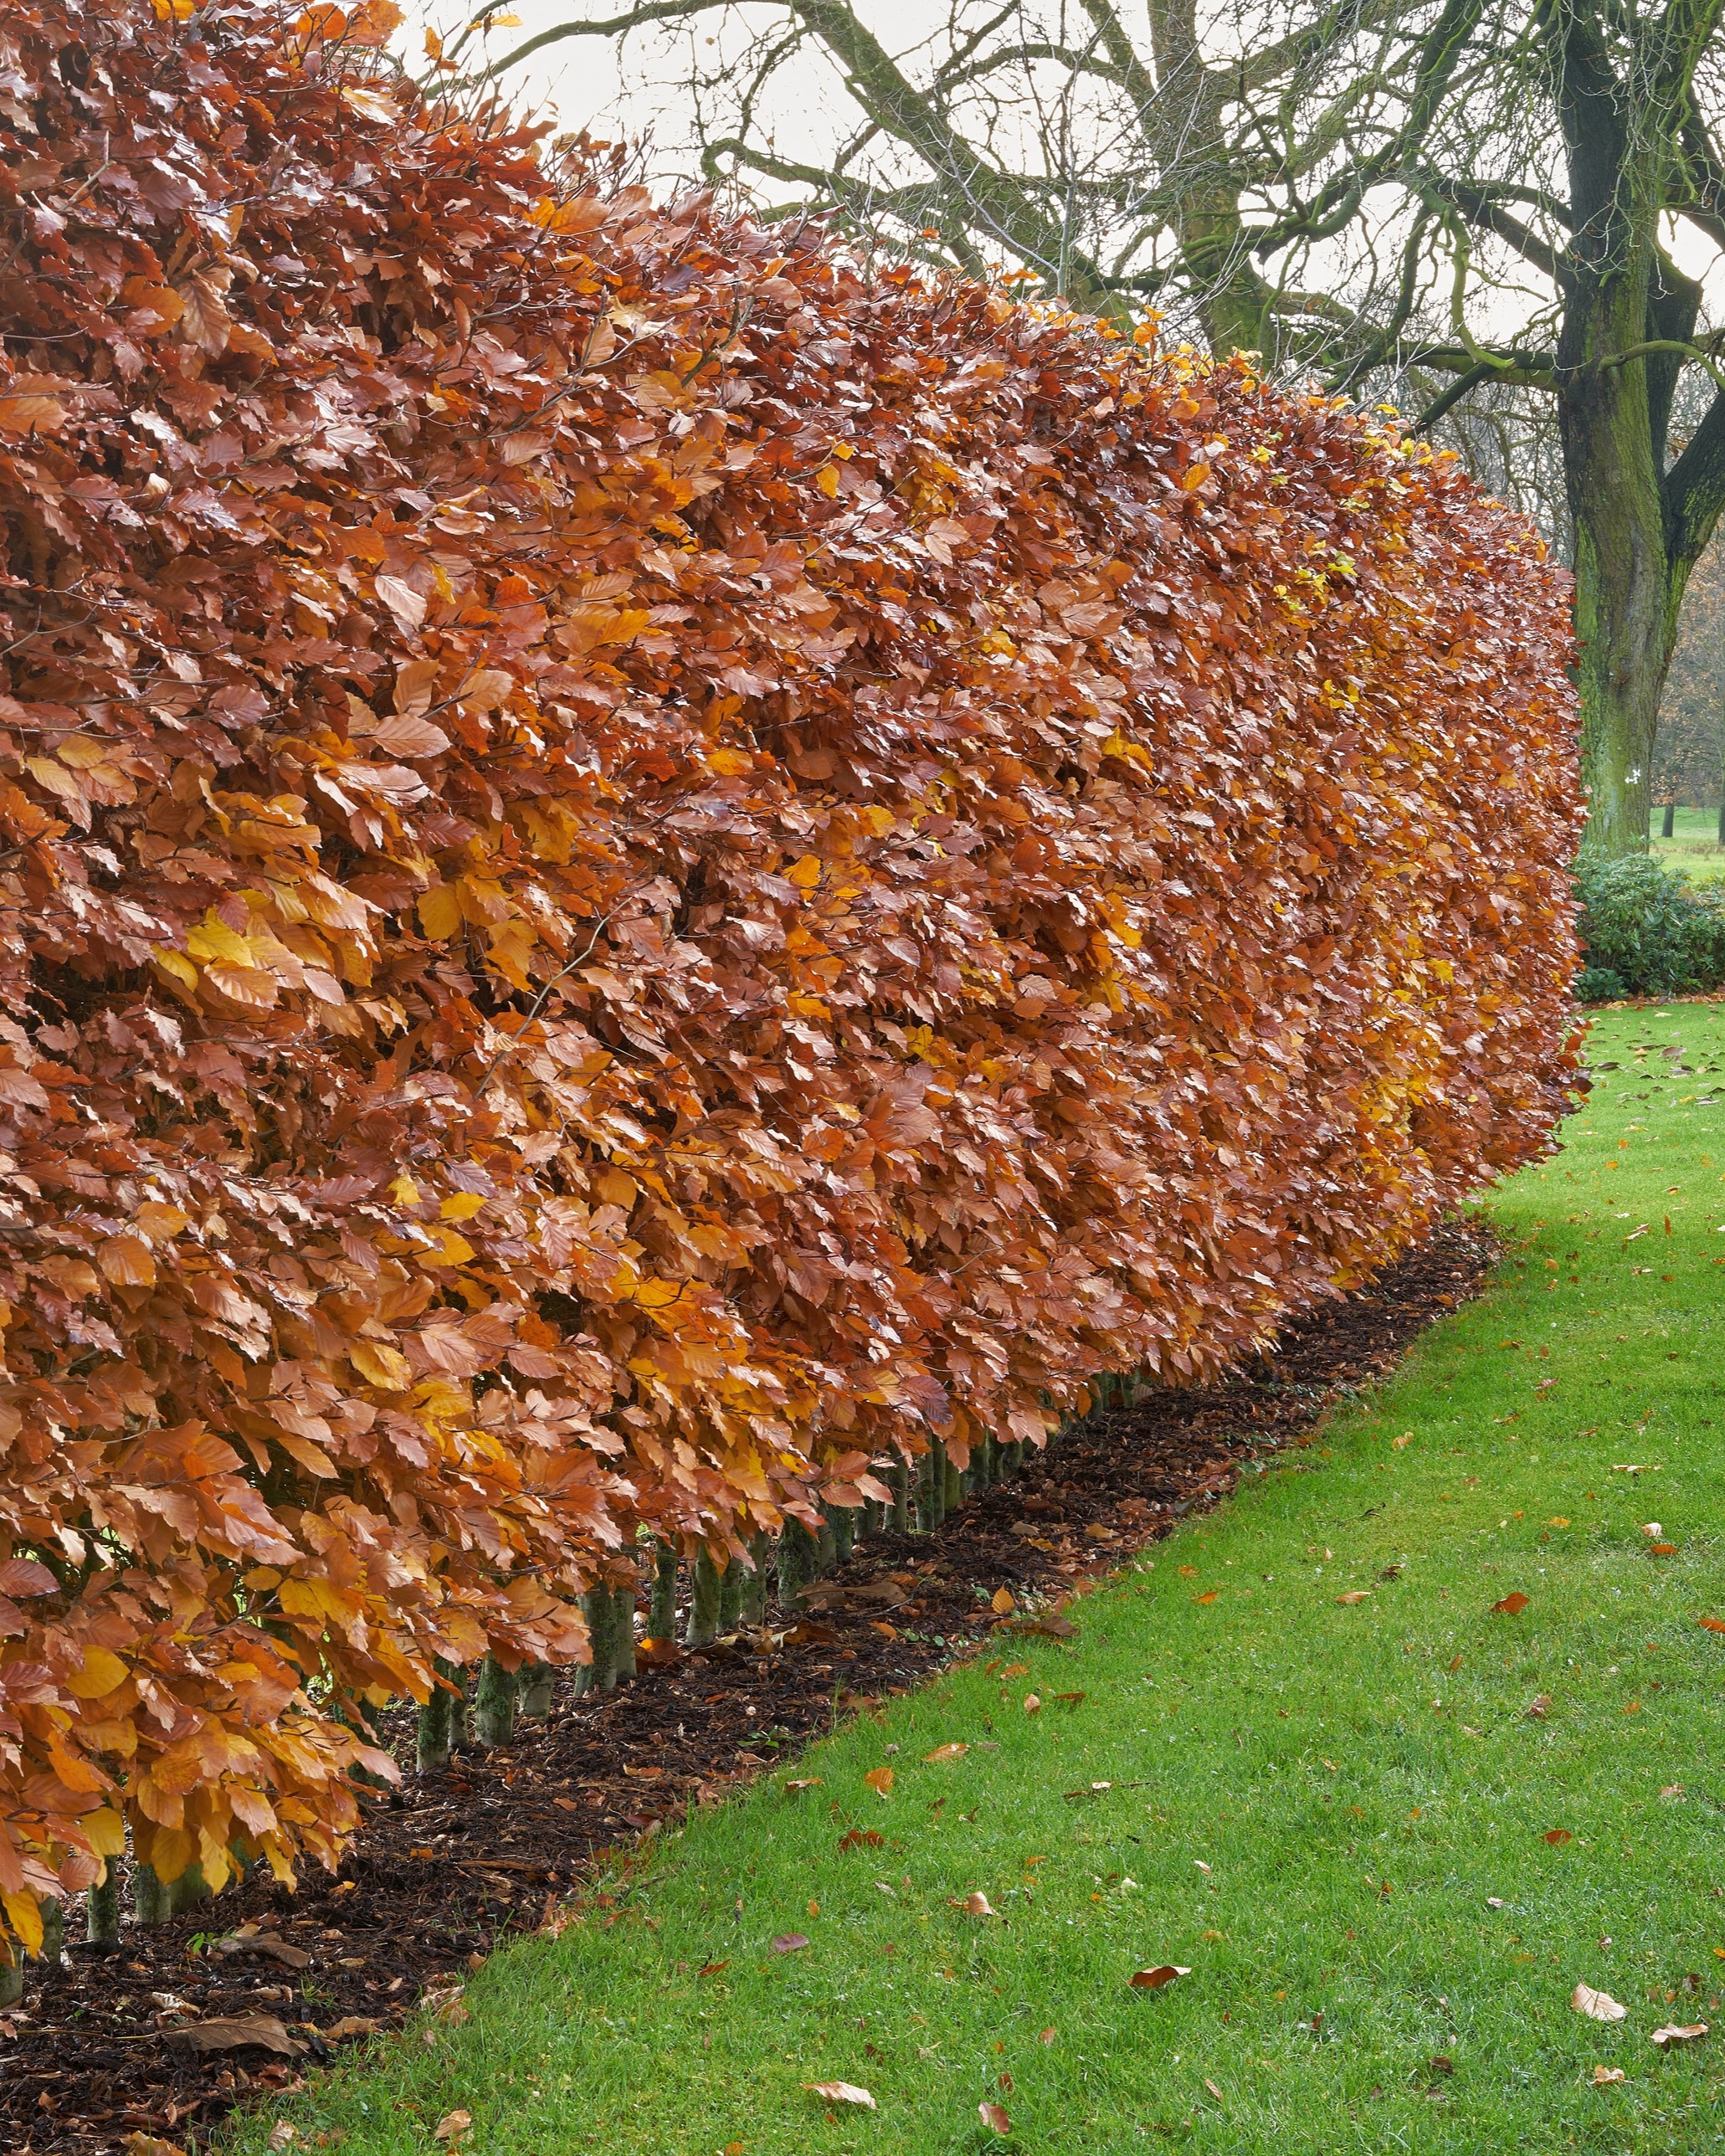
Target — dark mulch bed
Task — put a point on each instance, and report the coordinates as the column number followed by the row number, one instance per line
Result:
column 449, row 1865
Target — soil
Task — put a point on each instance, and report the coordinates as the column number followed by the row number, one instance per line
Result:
column 106, row 2053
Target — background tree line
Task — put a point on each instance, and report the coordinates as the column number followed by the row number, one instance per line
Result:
column 1498, row 215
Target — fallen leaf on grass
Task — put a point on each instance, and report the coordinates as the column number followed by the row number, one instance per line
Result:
column 880, row 1780
column 712, row 1967
column 1152, row 1979
column 1603, row 2076
column 792, row 1788
column 1636, row 1467
column 1356, row 1594
column 1597, row 2005
column 1711, row 1624
column 352, row 2025
column 945, row 1752
column 1676, row 2032
column 452, row 2125
column 1661, row 1549
column 789, row 1942
column 993, row 2117
column 1558, row 1835
column 1200, row 1600
column 975, row 1905
column 1051, row 1627
column 841, row 2092
column 283, row 2134
column 1033, row 1704
column 1214, row 2090
column 1512, row 1605
column 1539, row 1708
column 859, row 1837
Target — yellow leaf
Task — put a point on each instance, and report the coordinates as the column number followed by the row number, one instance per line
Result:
column 101, row 1674
column 405, row 1190
column 729, row 762
column 827, row 479
column 175, row 966
column 804, row 874
column 461, row 1205
column 24, row 1916
column 106, row 1831
column 439, row 911
column 212, row 938
column 384, row 1366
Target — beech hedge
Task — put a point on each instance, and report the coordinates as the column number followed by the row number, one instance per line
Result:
column 643, row 867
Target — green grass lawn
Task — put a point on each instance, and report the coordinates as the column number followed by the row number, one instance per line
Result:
column 1385, row 1863
column 1693, row 845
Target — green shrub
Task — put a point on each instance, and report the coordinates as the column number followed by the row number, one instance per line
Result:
column 1646, row 930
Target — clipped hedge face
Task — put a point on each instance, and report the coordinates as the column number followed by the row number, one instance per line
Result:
column 634, row 868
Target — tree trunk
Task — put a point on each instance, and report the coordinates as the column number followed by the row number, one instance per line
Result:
column 538, row 1688
column 843, row 1519
column 705, row 1590
column 494, row 1704
column 899, row 1477
column 11, row 1974
column 662, row 1607
column 150, row 1904
column 101, row 1908
column 53, row 1956
column 733, row 1589
column 798, row 1563
column 623, row 1635
column 1668, row 829
column 435, row 1731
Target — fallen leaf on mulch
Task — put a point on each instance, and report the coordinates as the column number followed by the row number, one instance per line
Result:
column 352, row 2025
column 1152, row 1979
column 150, row 2145
column 1001, row 1602
column 1676, row 2032
column 1597, row 2005
column 841, row 2092
column 234, row 2033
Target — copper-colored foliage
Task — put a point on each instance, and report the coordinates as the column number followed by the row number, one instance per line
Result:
column 636, row 868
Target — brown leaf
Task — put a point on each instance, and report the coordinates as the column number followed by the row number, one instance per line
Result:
column 1603, row 2076
column 1214, row 2090
column 1674, row 2032
column 993, row 2117
column 1152, row 1979
column 860, row 1837
column 450, row 2127
column 789, row 1942
column 945, row 1751
column 1512, row 1605
column 1597, row 2005
column 1538, row 1706
column 1558, row 1835
column 976, row 1904
column 880, row 1780
column 1356, row 1594
column 841, row 2092
column 1001, row 1602
column 234, row 2033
